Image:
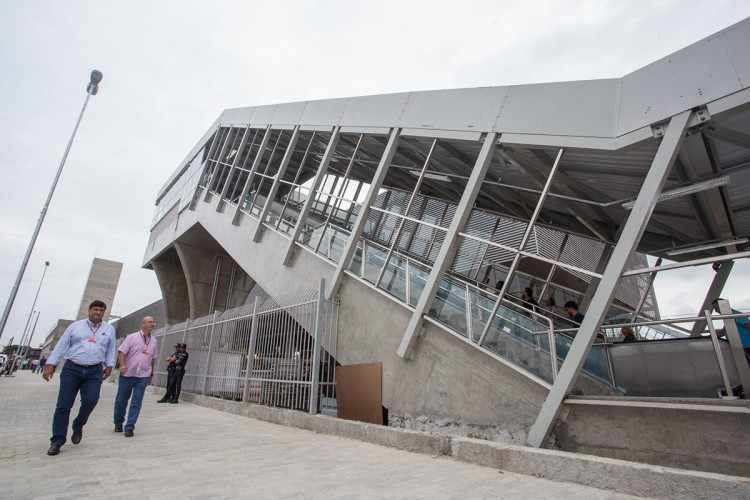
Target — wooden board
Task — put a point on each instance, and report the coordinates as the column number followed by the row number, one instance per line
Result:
column 359, row 392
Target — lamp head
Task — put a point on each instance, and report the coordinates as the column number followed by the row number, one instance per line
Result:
column 93, row 86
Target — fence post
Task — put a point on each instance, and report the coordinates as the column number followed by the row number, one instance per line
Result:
column 208, row 358
column 315, row 367
column 184, row 332
column 161, row 337
column 251, row 351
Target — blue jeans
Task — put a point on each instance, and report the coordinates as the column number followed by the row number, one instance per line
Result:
column 125, row 387
column 73, row 379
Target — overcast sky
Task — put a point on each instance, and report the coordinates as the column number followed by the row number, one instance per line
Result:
column 171, row 67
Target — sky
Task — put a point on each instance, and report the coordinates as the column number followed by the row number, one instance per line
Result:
column 171, row 67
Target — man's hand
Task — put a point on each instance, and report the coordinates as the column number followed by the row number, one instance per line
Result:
column 49, row 370
column 123, row 369
column 107, row 372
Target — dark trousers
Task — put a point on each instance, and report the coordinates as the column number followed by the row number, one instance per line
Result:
column 74, row 379
column 174, row 384
column 129, row 388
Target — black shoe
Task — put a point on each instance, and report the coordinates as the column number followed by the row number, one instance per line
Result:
column 118, row 428
column 173, row 401
column 128, row 433
column 54, row 449
column 76, row 437
column 163, row 400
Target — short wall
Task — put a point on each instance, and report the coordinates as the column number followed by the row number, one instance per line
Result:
column 702, row 440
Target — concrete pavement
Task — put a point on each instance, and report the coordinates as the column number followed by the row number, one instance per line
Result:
column 190, row 452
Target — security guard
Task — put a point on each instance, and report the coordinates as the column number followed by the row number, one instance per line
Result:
column 175, row 371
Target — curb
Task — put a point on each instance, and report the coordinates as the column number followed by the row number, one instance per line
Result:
column 622, row 476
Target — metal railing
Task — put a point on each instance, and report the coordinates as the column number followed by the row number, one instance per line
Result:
column 276, row 355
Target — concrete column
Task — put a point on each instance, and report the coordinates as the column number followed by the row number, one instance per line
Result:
column 174, row 291
column 276, row 182
column 628, row 241
column 359, row 224
column 450, row 245
column 319, row 176
column 251, row 174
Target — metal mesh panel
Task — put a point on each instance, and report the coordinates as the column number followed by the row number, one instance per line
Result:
column 265, row 354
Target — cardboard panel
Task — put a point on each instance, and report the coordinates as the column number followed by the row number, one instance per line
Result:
column 359, row 392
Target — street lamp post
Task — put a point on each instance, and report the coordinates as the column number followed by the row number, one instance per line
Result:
column 91, row 89
column 33, row 305
column 23, row 349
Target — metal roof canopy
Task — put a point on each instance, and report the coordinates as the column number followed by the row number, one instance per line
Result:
column 610, row 131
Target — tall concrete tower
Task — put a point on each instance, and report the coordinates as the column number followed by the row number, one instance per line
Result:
column 101, row 284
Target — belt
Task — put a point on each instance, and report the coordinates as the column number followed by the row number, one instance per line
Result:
column 83, row 366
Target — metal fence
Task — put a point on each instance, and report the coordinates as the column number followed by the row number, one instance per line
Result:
column 271, row 354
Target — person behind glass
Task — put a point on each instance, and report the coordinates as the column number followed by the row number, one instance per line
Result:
column 529, row 302
column 628, row 334
column 137, row 354
column 88, row 347
column 571, row 307
column 175, row 371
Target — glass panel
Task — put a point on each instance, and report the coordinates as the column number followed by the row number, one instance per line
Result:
column 394, row 277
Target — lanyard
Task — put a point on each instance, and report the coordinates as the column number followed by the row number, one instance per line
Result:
column 94, row 330
column 145, row 342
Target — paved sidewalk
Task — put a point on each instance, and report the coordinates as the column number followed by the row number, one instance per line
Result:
column 190, row 452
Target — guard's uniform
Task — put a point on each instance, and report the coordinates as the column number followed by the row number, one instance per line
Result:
column 175, row 373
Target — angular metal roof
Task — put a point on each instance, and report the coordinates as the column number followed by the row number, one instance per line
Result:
column 607, row 128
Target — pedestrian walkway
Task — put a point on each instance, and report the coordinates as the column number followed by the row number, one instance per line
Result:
column 190, row 452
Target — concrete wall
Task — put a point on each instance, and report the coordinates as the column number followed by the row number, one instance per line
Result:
column 714, row 441
column 132, row 322
column 173, row 285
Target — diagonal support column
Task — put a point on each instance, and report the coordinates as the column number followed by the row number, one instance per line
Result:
column 319, row 176
column 251, row 174
column 649, row 284
column 450, row 244
column 276, row 183
column 223, row 193
column 217, row 161
column 713, row 293
column 627, row 242
column 211, row 151
column 377, row 181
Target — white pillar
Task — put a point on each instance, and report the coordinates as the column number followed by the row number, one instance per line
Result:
column 629, row 239
column 450, row 244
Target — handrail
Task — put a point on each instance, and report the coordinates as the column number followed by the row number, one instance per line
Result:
column 686, row 319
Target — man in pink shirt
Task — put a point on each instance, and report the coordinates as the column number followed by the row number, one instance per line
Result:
column 136, row 355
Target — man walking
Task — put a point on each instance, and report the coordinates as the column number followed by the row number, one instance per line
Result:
column 175, row 372
column 137, row 354
column 88, row 347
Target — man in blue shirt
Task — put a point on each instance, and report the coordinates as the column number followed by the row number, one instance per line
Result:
column 88, row 347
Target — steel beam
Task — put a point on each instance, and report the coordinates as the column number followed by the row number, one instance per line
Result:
column 450, row 244
column 644, row 297
column 714, row 292
column 251, row 174
column 627, row 242
column 217, row 161
column 319, row 176
column 522, row 245
column 372, row 193
column 223, row 193
column 276, row 183
column 211, row 151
